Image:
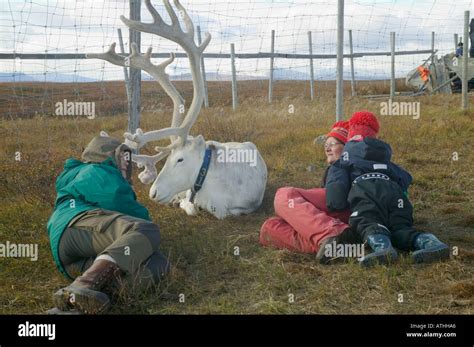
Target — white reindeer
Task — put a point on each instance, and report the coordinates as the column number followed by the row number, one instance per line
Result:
column 222, row 178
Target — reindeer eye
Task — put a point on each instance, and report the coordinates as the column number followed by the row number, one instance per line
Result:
column 180, row 160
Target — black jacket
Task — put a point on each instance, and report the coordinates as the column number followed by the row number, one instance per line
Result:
column 325, row 177
column 358, row 158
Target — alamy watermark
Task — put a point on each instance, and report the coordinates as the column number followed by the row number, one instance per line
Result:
column 400, row 108
column 75, row 108
column 344, row 250
column 37, row 330
column 237, row 155
column 19, row 250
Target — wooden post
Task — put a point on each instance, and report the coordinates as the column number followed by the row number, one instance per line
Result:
column 125, row 71
column 351, row 48
column 270, row 80
column 234, row 78
column 135, row 74
column 206, row 95
column 340, row 61
column 432, row 47
column 311, row 67
column 465, row 56
column 392, row 70
column 456, row 42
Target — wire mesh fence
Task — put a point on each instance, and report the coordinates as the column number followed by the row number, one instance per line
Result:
column 35, row 35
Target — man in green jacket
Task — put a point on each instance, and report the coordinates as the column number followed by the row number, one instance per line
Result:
column 99, row 234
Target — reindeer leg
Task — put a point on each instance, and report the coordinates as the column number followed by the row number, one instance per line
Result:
column 188, row 206
column 175, row 202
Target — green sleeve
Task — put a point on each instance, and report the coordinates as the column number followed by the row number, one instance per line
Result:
column 104, row 188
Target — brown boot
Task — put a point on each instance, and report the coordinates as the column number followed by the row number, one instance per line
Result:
column 85, row 293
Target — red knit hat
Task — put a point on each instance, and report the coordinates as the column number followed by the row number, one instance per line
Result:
column 339, row 130
column 362, row 124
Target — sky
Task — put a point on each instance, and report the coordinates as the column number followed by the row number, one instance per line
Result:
column 86, row 26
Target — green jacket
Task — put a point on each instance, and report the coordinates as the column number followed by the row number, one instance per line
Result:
column 87, row 186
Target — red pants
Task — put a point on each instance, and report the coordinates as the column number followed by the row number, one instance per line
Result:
column 303, row 220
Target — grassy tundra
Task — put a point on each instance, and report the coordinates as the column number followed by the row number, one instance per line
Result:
column 202, row 249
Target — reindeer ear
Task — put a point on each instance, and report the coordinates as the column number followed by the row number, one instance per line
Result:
column 104, row 134
column 198, row 141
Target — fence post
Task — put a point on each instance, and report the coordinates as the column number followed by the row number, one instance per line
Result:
column 270, row 80
column 465, row 55
column 234, row 78
column 206, row 95
column 311, row 67
column 392, row 70
column 340, row 61
column 135, row 74
column 471, row 37
column 351, row 48
column 456, row 42
column 125, row 71
column 432, row 47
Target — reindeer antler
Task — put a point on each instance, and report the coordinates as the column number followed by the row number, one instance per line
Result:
column 143, row 62
column 179, row 130
column 172, row 31
column 185, row 39
column 149, row 163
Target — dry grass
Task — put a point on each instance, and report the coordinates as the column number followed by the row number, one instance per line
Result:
column 260, row 280
column 26, row 99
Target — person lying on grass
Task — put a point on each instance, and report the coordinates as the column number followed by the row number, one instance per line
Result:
column 100, row 236
column 365, row 180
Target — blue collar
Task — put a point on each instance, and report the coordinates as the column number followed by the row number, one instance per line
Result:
column 202, row 174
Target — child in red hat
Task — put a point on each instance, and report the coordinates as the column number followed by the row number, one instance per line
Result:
column 375, row 190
